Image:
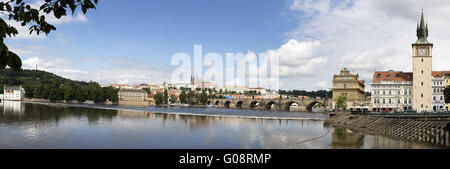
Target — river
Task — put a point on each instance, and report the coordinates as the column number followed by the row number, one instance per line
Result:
column 35, row 126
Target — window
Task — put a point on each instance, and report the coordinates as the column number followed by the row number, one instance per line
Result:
column 422, row 71
column 422, row 83
column 389, row 101
column 410, row 101
column 422, row 95
column 397, row 75
column 384, row 101
column 398, row 101
column 422, row 60
column 378, row 75
column 442, row 98
column 405, row 101
column 434, row 98
column 388, row 76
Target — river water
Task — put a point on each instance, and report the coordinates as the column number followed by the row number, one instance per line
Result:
column 30, row 126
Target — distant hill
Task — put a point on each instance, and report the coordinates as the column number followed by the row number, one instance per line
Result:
column 46, row 85
column 32, row 78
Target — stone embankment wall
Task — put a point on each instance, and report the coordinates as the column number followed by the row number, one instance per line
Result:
column 430, row 130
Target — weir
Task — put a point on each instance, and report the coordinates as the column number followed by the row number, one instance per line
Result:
column 428, row 130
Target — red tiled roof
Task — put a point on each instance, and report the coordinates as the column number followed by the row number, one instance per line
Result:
column 440, row 73
column 393, row 76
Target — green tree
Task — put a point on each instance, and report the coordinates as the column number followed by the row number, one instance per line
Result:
column 55, row 93
column 342, row 102
column 183, row 97
column 166, row 97
column 173, row 99
column 190, row 97
column 28, row 91
column 447, row 94
column 37, row 92
column 69, row 93
column 203, row 98
column 159, row 98
column 22, row 12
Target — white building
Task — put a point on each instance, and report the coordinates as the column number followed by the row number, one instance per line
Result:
column 438, row 90
column 14, row 93
column 391, row 91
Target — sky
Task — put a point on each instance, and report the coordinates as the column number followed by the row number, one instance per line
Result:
column 133, row 41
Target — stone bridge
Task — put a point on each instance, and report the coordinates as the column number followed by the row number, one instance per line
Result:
column 271, row 104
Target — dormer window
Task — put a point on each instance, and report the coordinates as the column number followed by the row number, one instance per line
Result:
column 388, row 76
column 397, row 75
column 378, row 75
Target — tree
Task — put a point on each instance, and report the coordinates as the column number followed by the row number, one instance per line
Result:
column 183, row 97
column 342, row 102
column 190, row 97
column 173, row 98
column 159, row 98
column 203, row 98
column 69, row 93
column 22, row 12
column 447, row 94
column 166, row 97
column 28, row 91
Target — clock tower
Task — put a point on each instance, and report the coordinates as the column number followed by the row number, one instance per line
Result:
column 422, row 69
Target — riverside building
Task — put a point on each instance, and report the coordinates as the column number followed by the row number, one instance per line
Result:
column 391, row 90
column 348, row 84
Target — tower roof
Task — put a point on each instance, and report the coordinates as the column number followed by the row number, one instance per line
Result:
column 422, row 31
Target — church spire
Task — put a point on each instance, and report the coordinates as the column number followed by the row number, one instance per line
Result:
column 422, row 30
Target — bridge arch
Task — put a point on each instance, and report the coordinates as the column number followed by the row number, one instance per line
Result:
column 310, row 106
column 272, row 105
column 227, row 104
column 239, row 104
column 254, row 104
column 289, row 105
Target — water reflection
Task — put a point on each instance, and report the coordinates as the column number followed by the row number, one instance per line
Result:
column 12, row 108
column 344, row 138
column 40, row 126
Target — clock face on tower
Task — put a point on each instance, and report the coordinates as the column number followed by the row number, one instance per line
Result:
column 422, row 52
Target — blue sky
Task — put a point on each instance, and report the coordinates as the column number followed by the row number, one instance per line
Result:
column 150, row 32
column 133, row 41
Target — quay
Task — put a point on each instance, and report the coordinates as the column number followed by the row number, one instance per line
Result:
column 427, row 129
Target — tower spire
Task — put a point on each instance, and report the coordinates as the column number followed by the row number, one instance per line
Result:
column 422, row 30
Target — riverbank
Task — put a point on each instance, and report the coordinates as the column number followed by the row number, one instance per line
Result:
column 202, row 111
column 427, row 130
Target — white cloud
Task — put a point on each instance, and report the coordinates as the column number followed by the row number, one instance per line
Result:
column 367, row 35
column 129, row 75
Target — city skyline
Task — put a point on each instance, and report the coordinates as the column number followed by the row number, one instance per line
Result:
column 315, row 39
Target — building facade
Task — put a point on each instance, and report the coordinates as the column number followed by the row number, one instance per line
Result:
column 13, row 93
column 447, row 84
column 392, row 91
column 132, row 97
column 438, row 90
column 348, row 84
